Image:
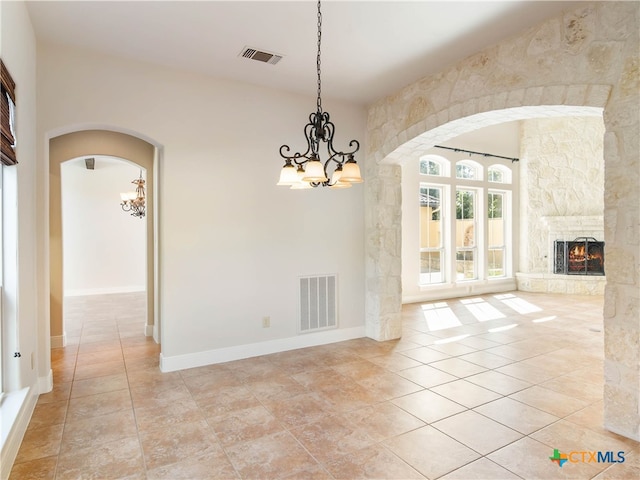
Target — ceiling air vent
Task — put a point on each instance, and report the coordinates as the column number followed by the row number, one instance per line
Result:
column 266, row 57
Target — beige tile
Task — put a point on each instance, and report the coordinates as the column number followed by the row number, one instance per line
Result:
column 329, row 377
column 454, row 349
column 152, row 378
column 528, row 372
column 629, row 469
column 478, row 343
column 427, row 376
column 92, row 370
column 40, row 442
column 100, row 356
column 549, row 401
column 93, row 386
column 298, row 410
column 48, row 414
column 498, row 382
column 251, row 371
column 156, row 397
column 59, row 393
column 430, row 451
column 104, row 460
column 315, row 472
column 466, row 393
column 477, row 432
column 167, row 416
column 528, row 458
column 576, row 388
column 374, row 462
column 245, row 425
column 573, row 437
column 332, row 437
column 39, row 469
column 273, row 456
column 395, row 362
column 428, row 406
column 161, row 448
column 425, row 355
column 205, row 467
column 516, row 415
column 99, row 404
column 383, row 420
column 347, row 397
column 457, row 367
column 486, row 359
column 481, row 469
column 357, row 370
column 226, row 401
column 206, row 385
column 88, row 431
column 276, row 387
column 388, row 385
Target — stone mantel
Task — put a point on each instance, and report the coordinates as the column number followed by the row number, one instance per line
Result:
column 587, row 225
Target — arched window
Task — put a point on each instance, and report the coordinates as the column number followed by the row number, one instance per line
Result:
column 465, row 221
column 499, row 174
column 469, row 170
column 434, row 165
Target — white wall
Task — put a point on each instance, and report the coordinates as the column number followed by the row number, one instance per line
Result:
column 23, row 323
column 232, row 243
column 104, row 247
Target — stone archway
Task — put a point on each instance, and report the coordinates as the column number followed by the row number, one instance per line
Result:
column 585, row 58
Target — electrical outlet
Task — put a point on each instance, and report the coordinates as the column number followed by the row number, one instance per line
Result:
column 266, row 322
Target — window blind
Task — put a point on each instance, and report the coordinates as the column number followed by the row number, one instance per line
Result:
column 7, row 117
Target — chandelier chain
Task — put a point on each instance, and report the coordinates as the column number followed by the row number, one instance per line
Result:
column 319, row 104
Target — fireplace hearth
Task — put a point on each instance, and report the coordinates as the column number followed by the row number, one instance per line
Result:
column 582, row 256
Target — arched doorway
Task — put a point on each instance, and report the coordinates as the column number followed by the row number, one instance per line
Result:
column 109, row 143
column 544, row 66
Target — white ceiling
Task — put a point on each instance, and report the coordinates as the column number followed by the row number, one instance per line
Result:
column 369, row 48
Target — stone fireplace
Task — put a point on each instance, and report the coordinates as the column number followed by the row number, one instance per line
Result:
column 568, row 230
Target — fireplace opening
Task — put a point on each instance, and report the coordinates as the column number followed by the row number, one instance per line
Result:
column 582, row 256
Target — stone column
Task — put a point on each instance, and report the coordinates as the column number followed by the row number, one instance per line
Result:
column 383, row 230
column 622, row 249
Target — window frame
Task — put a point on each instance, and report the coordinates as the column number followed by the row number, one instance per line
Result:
column 481, row 250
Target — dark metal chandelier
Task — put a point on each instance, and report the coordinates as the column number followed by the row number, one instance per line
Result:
column 135, row 202
column 306, row 170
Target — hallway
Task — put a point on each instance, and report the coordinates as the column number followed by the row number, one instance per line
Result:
column 484, row 387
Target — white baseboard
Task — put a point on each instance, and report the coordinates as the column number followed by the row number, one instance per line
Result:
column 59, row 341
column 462, row 289
column 228, row 354
column 148, row 330
column 17, row 408
column 45, row 384
column 103, row 291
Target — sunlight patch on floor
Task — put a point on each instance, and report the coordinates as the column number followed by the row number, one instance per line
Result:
column 482, row 310
column 439, row 316
column 518, row 304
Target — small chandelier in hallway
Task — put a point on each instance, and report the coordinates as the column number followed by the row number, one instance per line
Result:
column 134, row 202
column 306, row 170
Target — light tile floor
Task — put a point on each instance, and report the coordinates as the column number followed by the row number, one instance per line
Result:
column 510, row 379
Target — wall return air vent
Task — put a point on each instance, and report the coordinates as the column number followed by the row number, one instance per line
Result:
column 260, row 55
column 318, row 303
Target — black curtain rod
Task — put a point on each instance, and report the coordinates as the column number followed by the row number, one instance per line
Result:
column 479, row 153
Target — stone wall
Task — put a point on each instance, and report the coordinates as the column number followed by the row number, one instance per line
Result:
column 562, row 185
column 586, row 57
